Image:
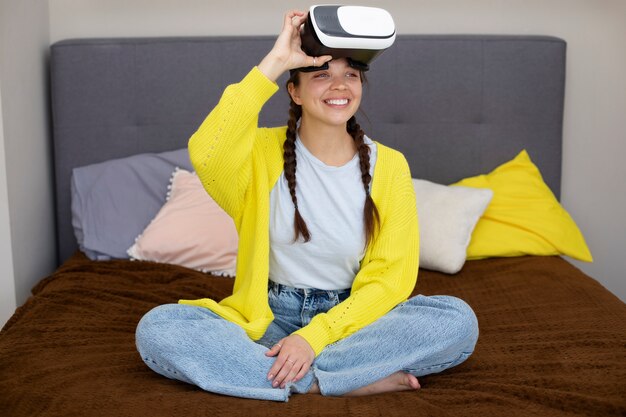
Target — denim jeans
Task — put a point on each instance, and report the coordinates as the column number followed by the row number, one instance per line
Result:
column 423, row 335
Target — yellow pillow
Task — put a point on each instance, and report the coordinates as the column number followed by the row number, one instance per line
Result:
column 524, row 217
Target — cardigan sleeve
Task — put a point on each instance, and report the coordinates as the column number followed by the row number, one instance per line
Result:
column 221, row 149
column 388, row 271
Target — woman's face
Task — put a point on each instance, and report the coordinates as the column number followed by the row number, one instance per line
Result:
column 329, row 96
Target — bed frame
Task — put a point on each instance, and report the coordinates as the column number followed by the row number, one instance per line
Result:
column 551, row 338
column 455, row 105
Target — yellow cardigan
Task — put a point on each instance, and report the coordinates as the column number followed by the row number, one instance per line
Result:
column 239, row 163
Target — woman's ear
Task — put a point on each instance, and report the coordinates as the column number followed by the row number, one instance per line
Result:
column 294, row 93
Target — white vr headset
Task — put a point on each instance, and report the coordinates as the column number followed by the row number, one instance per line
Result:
column 354, row 32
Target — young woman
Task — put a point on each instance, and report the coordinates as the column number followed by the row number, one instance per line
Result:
column 328, row 250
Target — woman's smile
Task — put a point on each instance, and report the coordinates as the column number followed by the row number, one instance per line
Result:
column 337, row 101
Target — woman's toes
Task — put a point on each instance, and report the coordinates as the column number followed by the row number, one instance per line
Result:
column 413, row 381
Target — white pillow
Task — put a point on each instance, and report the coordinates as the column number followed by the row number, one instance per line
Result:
column 447, row 216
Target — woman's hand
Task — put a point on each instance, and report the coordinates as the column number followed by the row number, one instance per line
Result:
column 295, row 357
column 287, row 52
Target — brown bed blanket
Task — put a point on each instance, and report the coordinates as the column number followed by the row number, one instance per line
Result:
column 552, row 343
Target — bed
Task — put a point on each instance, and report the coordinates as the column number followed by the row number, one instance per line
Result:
column 552, row 339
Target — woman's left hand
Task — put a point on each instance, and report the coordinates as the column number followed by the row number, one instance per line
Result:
column 295, row 357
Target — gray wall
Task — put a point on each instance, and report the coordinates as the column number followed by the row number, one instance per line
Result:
column 7, row 285
column 26, row 222
column 594, row 131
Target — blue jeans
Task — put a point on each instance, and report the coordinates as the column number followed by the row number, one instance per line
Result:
column 423, row 335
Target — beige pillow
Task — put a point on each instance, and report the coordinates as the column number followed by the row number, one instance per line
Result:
column 447, row 216
column 190, row 230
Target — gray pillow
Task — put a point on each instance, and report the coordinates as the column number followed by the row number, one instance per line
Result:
column 114, row 201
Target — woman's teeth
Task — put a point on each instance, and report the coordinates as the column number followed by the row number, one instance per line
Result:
column 338, row 102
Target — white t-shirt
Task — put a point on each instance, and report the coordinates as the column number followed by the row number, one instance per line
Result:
column 330, row 200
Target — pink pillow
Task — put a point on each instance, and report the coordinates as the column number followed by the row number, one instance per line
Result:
column 190, row 230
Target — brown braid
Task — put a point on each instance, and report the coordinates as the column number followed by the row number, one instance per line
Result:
column 371, row 218
column 289, row 165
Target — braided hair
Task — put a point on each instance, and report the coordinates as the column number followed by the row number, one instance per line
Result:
column 370, row 213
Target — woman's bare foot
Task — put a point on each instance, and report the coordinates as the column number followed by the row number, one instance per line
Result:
column 400, row 381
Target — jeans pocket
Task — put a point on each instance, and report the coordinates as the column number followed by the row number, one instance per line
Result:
column 272, row 299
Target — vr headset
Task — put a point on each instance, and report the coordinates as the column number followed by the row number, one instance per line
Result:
column 357, row 33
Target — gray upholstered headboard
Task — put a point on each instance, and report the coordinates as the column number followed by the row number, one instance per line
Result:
column 454, row 105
